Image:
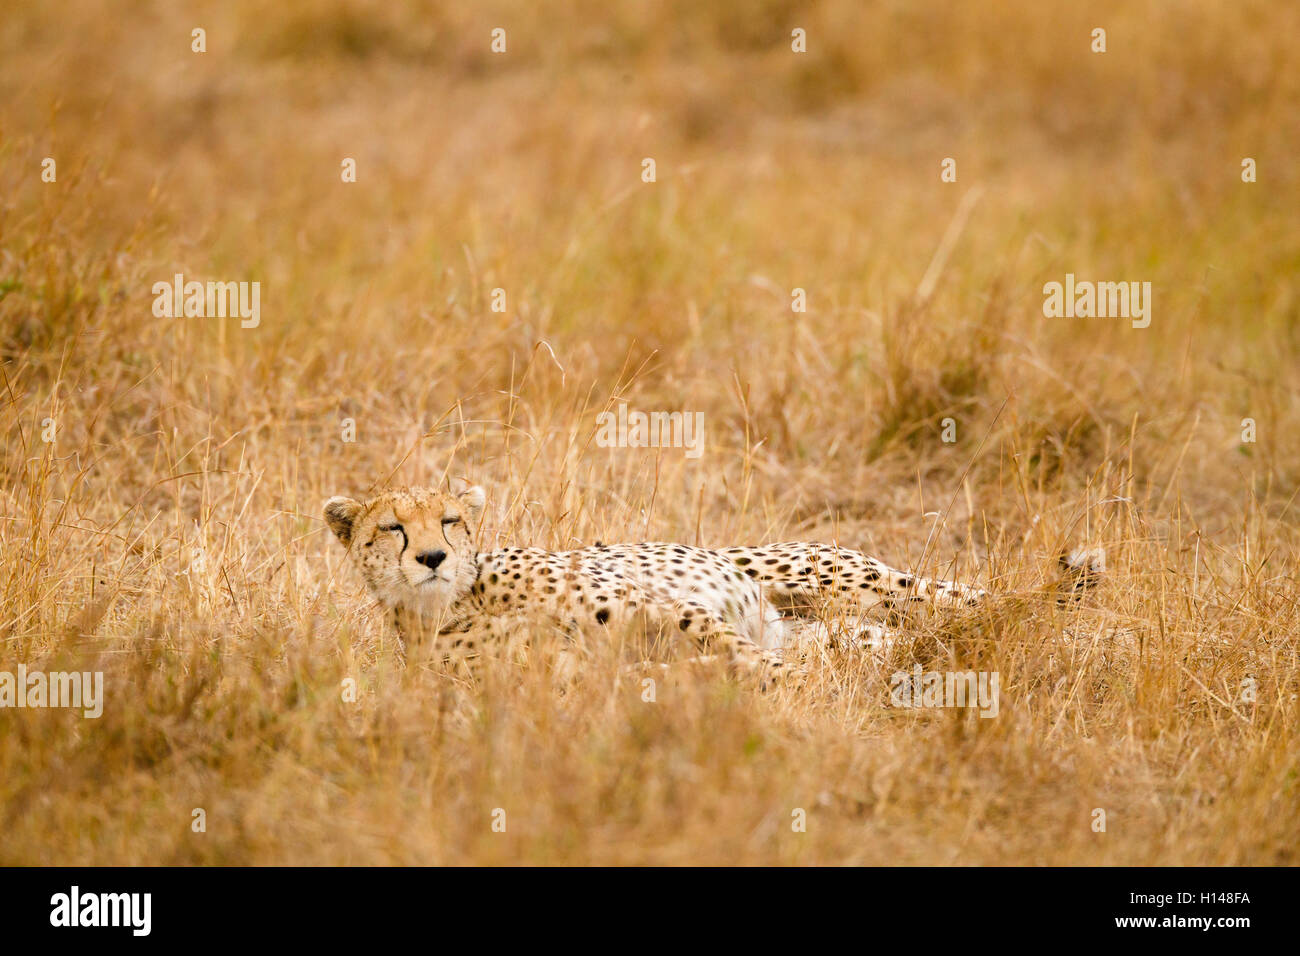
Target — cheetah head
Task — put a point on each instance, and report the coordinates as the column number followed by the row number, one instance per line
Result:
column 414, row 547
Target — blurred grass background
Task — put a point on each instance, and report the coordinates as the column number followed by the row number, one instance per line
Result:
column 775, row 170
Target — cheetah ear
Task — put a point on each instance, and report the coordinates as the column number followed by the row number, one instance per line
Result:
column 340, row 514
column 473, row 499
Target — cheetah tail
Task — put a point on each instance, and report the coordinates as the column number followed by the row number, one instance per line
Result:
column 1082, row 569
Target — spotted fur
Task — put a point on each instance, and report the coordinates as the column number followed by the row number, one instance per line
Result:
column 415, row 549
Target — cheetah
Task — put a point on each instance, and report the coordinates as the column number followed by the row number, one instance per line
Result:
column 415, row 549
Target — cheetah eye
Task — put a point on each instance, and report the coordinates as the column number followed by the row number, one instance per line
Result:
column 394, row 526
column 449, row 520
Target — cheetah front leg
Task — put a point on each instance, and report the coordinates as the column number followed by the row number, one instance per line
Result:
column 435, row 640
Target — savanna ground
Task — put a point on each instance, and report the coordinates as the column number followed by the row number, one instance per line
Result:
column 170, row 533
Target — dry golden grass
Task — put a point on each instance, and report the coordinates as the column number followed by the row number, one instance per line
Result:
column 181, row 437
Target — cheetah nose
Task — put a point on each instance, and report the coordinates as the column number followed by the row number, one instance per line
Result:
column 431, row 559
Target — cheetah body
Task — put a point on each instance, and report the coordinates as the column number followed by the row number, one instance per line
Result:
column 415, row 550
column 744, row 588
